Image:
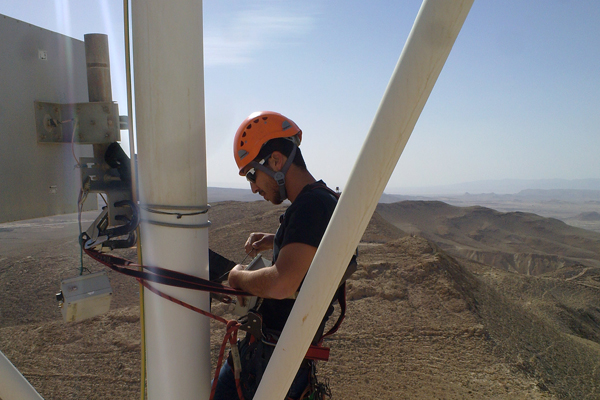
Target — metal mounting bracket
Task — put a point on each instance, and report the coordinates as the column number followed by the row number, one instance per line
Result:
column 97, row 123
column 97, row 179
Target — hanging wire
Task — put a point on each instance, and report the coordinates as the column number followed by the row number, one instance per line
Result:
column 83, row 193
column 80, row 201
column 74, row 120
column 104, row 199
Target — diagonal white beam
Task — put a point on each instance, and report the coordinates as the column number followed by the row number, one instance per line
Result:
column 435, row 30
column 13, row 385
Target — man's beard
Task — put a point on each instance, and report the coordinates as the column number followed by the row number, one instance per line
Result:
column 277, row 198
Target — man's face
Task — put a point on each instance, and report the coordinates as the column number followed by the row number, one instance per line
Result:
column 265, row 185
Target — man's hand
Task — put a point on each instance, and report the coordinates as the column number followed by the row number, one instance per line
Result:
column 259, row 241
column 233, row 281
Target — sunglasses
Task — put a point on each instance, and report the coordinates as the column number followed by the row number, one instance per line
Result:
column 251, row 174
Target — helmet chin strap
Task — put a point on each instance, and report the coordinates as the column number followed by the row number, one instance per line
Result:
column 279, row 176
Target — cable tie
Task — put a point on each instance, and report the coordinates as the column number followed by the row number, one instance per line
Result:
column 155, row 209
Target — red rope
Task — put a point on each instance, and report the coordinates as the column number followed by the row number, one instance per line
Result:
column 232, row 325
column 231, row 337
column 120, row 265
column 182, row 303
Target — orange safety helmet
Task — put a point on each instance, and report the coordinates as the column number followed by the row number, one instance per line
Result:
column 258, row 129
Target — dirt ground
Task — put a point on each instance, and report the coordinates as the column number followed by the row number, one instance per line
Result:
column 420, row 324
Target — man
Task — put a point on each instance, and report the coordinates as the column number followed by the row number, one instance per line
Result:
column 266, row 152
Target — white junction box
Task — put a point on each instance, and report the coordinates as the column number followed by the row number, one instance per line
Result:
column 85, row 296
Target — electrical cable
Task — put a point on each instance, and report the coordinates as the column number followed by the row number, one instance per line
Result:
column 83, row 193
column 80, row 201
column 74, row 120
column 226, row 274
column 104, row 198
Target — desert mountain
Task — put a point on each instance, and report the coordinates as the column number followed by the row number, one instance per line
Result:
column 422, row 322
column 589, row 216
column 514, row 241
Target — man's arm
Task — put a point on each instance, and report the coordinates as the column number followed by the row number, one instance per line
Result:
column 282, row 279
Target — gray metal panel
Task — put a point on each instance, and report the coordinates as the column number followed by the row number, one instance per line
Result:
column 37, row 180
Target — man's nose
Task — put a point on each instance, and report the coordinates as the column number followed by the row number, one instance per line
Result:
column 253, row 187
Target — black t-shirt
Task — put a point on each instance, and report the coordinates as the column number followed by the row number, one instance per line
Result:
column 305, row 221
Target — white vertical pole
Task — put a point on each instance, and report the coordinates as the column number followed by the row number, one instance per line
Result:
column 13, row 385
column 169, row 100
column 436, row 27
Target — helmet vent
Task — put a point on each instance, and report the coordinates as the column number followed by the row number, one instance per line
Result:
column 242, row 153
column 242, row 143
column 244, row 134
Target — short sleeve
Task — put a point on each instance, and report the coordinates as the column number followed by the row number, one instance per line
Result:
column 307, row 219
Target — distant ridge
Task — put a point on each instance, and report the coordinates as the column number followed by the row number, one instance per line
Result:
column 532, row 195
column 216, row 194
column 516, row 241
column 589, row 216
column 502, row 186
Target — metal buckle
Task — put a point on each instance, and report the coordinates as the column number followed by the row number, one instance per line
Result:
column 252, row 323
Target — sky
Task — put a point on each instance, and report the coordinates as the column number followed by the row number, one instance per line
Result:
column 517, row 98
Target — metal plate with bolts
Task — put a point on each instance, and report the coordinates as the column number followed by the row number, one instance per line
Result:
column 97, row 123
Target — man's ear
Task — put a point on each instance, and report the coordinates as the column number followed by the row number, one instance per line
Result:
column 277, row 161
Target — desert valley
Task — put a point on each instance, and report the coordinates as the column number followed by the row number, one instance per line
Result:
column 450, row 301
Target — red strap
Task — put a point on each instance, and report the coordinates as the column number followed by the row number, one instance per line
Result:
column 317, row 353
column 314, row 352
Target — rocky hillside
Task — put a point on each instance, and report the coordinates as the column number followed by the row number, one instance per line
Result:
column 422, row 323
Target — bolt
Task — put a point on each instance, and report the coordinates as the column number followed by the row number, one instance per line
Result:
column 92, row 122
column 110, row 122
column 105, row 109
